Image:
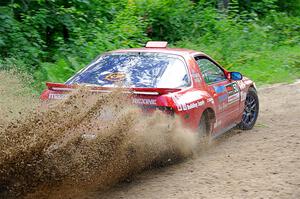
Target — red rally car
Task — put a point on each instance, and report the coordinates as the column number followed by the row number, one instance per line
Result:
column 190, row 84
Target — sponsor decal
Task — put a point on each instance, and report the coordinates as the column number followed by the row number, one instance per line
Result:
column 115, row 76
column 189, row 97
column 223, row 98
column 182, row 106
column 143, row 101
column 220, row 89
column 193, row 105
column 210, row 100
column 57, row 96
column 176, row 101
column 232, row 88
column 229, row 88
column 230, row 96
column 234, row 98
column 233, row 93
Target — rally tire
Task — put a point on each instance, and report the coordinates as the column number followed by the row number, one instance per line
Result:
column 204, row 129
column 251, row 110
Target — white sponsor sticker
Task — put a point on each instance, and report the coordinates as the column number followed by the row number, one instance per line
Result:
column 142, row 101
column 189, row 106
column 233, row 98
column 188, row 101
column 195, row 105
column 57, row 96
column 210, row 100
column 178, row 105
column 192, row 105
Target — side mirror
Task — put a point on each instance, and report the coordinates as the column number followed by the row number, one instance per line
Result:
column 235, row 76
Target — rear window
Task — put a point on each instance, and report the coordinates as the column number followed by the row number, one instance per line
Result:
column 155, row 70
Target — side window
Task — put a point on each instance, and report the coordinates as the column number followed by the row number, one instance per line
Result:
column 211, row 72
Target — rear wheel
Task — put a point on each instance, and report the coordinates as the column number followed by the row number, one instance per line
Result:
column 204, row 129
column 251, row 110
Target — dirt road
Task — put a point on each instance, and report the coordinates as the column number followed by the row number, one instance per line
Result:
column 261, row 163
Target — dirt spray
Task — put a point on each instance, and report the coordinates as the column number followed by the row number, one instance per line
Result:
column 84, row 142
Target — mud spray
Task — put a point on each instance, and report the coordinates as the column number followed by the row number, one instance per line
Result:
column 76, row 145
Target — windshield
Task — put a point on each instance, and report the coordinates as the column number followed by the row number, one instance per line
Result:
column 154, row 70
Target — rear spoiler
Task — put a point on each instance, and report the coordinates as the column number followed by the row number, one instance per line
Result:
column 138, row 91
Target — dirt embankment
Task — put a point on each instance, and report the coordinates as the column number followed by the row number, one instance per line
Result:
column 261, row 163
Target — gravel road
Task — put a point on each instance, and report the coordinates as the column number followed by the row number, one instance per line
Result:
column 261, row 163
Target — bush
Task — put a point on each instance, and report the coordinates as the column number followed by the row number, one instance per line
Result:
column 53, row 39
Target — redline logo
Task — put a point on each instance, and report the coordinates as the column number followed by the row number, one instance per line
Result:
column 144, row 101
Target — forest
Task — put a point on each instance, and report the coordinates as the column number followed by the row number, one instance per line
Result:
column 52, row 39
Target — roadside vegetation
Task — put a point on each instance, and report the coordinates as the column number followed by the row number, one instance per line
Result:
column 52, row 39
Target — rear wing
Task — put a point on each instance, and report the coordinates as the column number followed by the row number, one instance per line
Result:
column 138, row 91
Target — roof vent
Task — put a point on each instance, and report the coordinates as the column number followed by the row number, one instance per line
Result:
column 156, row 44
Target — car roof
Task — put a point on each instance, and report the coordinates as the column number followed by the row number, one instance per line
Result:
column 176, row 51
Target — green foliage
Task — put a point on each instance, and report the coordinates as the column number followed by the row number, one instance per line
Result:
column 52, row 39
column 166, row 19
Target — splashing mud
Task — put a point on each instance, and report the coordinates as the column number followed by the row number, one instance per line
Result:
column 16, row 99
column 82, row 143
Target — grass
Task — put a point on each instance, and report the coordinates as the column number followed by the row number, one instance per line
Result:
column 273, row 66
column 268, row 65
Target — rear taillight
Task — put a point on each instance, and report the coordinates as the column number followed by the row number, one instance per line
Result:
column 45, row 95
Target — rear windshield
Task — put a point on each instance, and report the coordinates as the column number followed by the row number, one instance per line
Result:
column 155, row 70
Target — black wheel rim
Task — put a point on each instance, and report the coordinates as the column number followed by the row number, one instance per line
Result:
column 250, row 111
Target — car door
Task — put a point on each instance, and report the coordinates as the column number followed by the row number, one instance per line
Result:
column 225, row 93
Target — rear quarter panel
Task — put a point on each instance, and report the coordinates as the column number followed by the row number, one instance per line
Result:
column 190, row 103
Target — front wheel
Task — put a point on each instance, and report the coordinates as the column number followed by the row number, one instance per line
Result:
column 251, row 110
